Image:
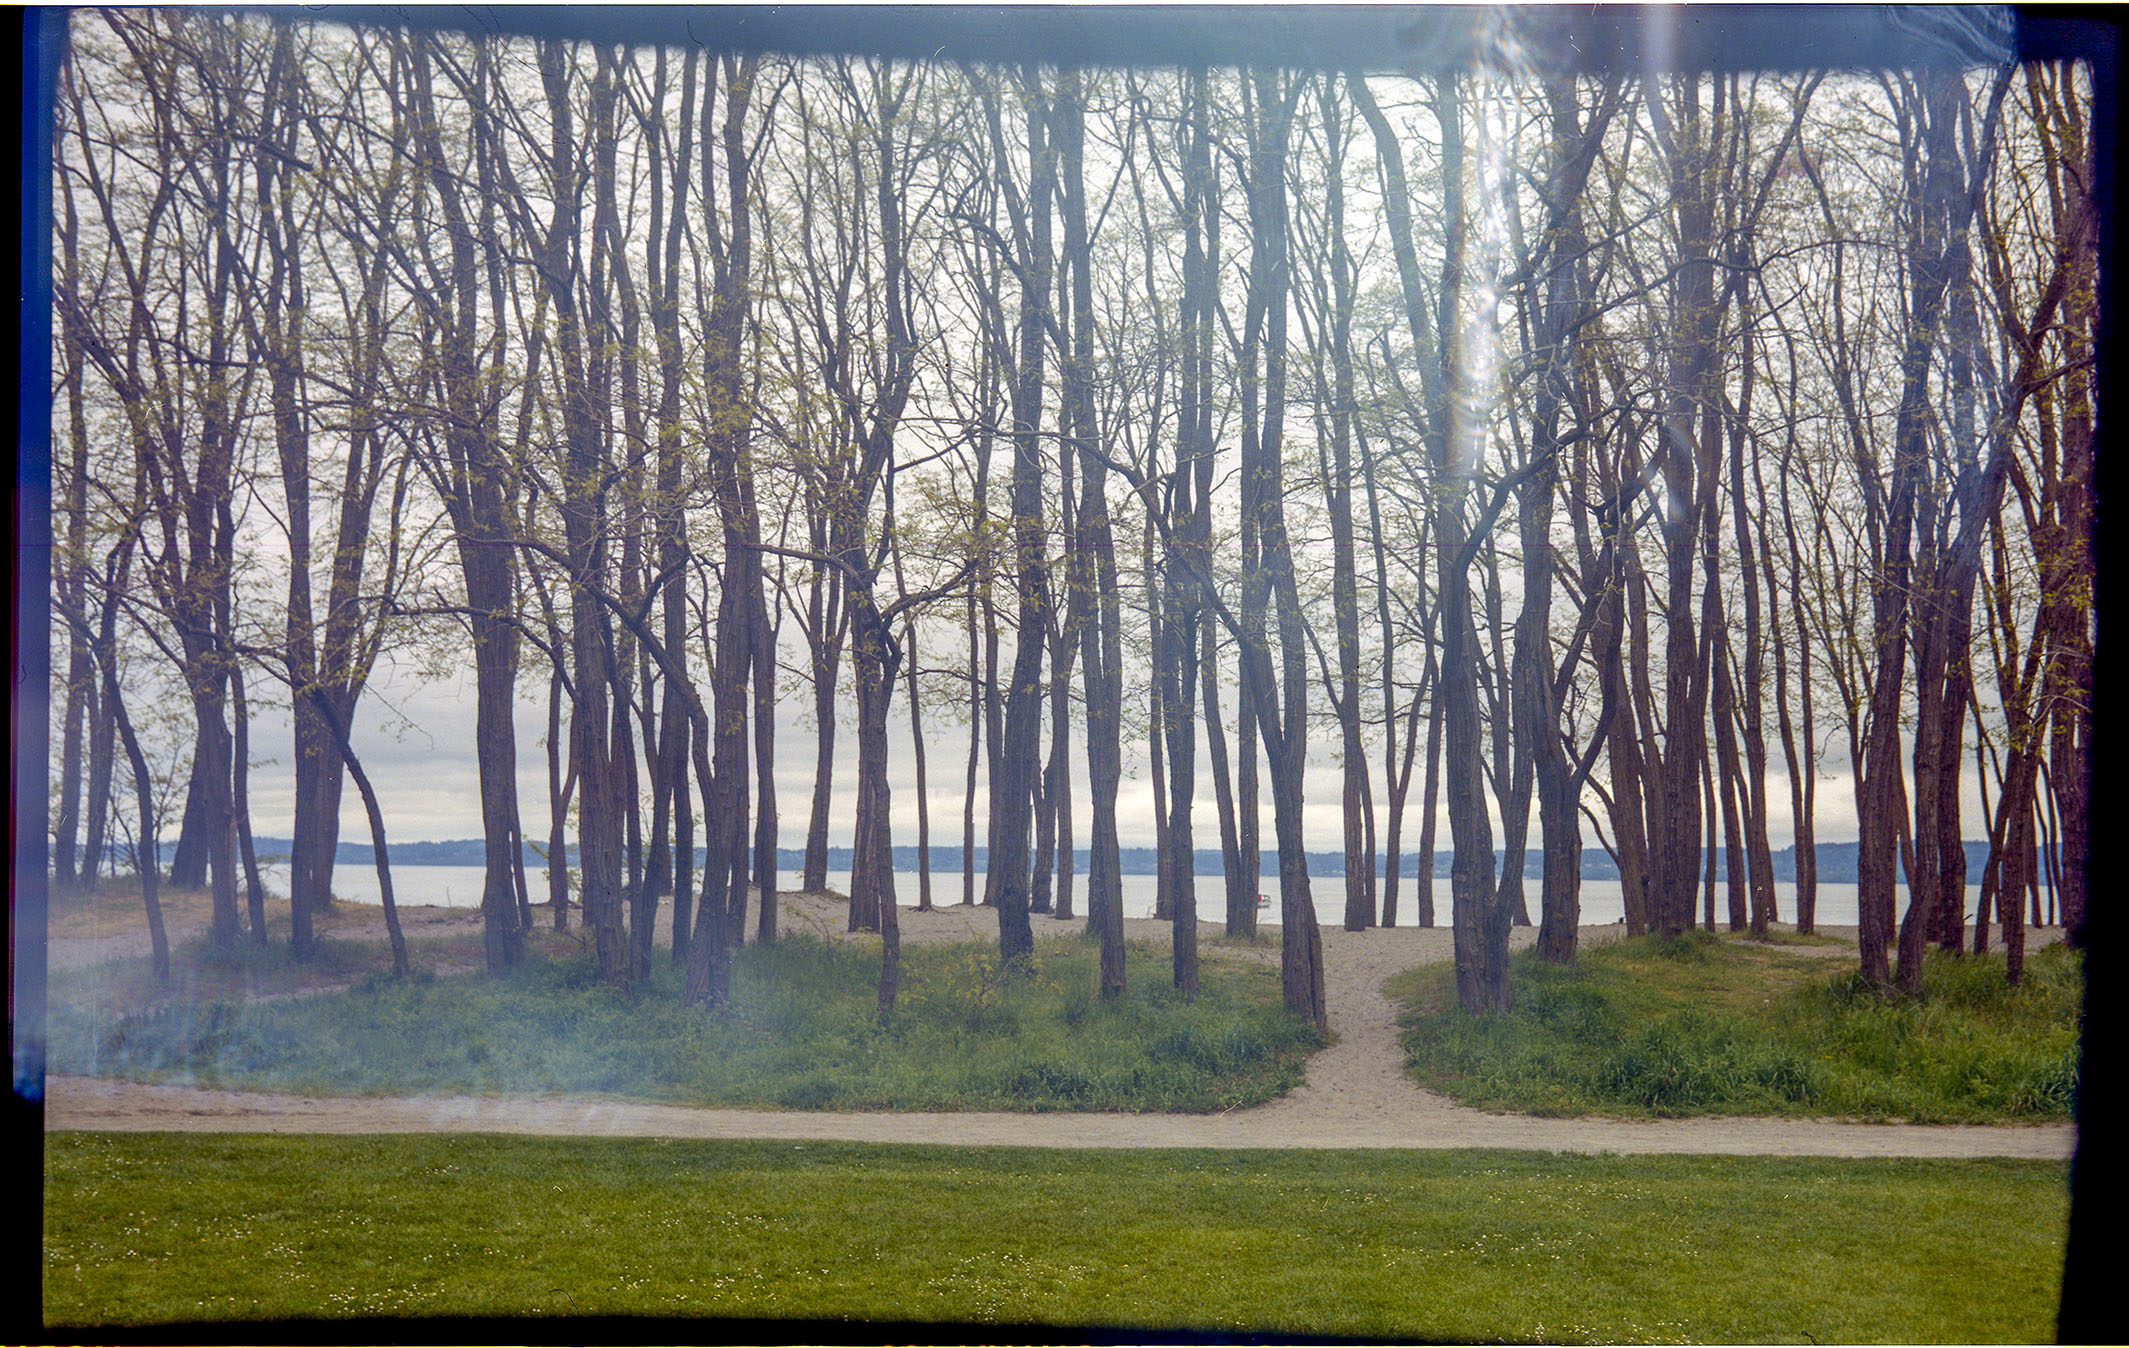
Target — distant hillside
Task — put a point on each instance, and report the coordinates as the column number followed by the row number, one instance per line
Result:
column 1836, row 861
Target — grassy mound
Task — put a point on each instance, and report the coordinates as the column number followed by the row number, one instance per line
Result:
column 800, row 1033
column 1705, row 1025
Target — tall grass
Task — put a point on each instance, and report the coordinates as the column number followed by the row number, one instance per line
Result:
column 800, row 1032
column 1703, row 1025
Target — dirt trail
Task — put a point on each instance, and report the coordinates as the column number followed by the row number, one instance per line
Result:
column 1355, row 1095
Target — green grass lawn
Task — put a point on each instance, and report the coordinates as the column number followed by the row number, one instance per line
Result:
column 161, row 1229
column 1713, row 1025
column 801, row 1032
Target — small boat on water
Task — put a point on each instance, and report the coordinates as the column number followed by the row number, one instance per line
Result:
column 1263, row 902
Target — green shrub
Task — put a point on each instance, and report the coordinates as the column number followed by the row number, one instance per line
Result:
column 801, row 1031
column 1706, row 1025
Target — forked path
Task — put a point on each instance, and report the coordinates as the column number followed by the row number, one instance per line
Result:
column 1355, row 1096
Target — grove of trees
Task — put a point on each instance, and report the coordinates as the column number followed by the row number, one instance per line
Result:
column 1584, row 455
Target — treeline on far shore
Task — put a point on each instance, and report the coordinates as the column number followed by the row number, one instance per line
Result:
column 1836, row 861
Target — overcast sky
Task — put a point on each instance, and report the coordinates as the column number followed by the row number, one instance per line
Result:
column 416, row 739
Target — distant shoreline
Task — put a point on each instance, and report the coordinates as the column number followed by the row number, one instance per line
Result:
column 1836, row 861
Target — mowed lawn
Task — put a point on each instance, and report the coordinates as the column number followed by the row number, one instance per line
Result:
column 167, row 1230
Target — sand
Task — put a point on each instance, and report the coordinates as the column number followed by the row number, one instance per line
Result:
column 1355, row 1094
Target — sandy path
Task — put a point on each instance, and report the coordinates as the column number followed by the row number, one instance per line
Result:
column 1355, row 1094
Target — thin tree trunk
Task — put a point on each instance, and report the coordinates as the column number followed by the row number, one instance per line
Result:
column 1360, row 910
column 480, row 513
column 1240, row 878
column 1013, row 787
column 1300, row 943
column 1157, row 731
column 1430, row 799
column 70, row 572
column 1937, row 217
column 254, row 891
column 338, row 730
column 1094, row 555
column 148, row 844
column 1100, row 636
column 1728, row 770
column 916, row 734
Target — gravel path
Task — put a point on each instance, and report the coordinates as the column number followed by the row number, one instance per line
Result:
column 1355, row 1095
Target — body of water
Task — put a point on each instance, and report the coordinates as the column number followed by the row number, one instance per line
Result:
column 460, row 887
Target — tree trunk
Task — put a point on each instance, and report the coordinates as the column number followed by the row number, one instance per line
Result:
column 1177, row 675
column 240, row 797
column 1683, row 453
column 560, row 789
column 1013, row 786
column 1723, row 712
column 338, row 729
column 765, row 817
column 103, row 732
column 70, row 571
column 1241, row 878
column 1164, row 849
column 1430, row 799
column 188, row 860
column 479, row 502
column 1094, row 555
column 1513, row 754
column 872, row 860
column 828, row 616
column 147, row 845
column 1538, row 716
column 916, row 738
column 1360, row 911
column 1933, row 256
